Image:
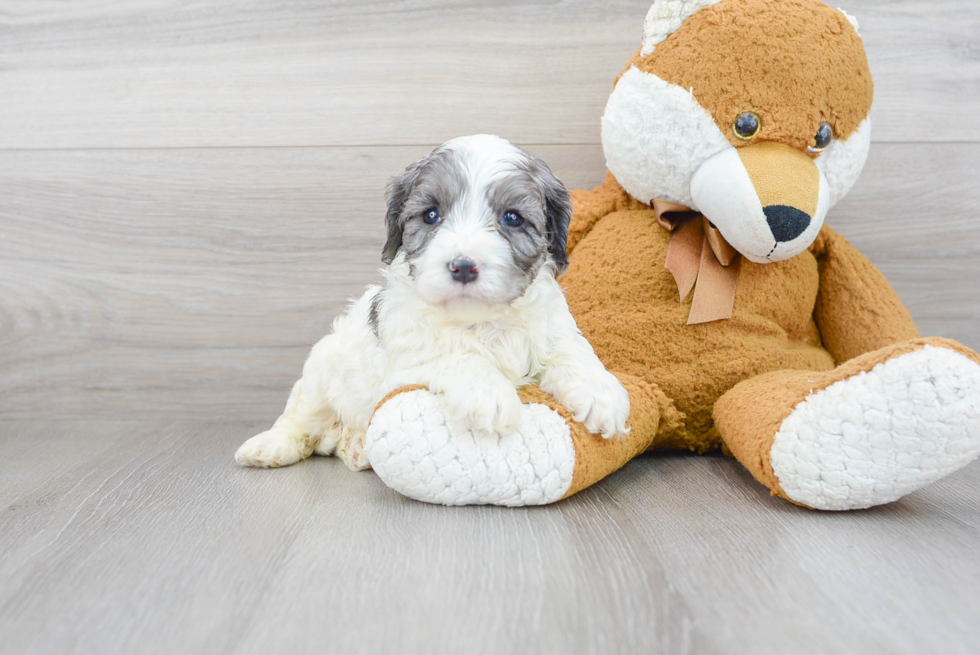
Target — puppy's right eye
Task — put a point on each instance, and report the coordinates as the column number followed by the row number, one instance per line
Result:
column 511, row 219
column 432, row 217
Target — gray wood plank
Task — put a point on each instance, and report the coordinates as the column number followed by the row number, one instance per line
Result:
column 125, row 275
column 293, row 73
column 161, row 544
column 758, row 551
column 914, row 213
column 192, row 283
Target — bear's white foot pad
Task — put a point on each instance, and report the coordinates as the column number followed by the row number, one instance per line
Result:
column 413, row 451
column 877, row 436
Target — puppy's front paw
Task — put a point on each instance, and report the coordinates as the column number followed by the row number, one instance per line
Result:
column 269, row 449
column 484, row 405
column 601, row 404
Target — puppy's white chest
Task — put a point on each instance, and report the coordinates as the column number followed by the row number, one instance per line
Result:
column 511, row 348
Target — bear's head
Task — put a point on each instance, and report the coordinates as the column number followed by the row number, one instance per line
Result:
column 752, row 112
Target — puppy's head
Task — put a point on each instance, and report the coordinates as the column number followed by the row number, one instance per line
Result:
column 476, row 220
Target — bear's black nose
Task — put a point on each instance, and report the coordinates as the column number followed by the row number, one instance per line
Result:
column 463, row 269
column 786, row 223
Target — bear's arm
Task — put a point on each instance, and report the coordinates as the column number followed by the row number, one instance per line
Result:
column 857, row 310
column 589, row 206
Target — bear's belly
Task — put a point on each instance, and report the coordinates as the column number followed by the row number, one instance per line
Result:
column 626, row 304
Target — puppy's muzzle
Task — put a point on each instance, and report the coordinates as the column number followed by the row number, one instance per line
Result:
column 463, row 269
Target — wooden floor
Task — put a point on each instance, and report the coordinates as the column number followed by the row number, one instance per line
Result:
column 189, row 193
column 145, row 537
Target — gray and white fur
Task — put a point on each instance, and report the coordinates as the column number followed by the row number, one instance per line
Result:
column 470, row 308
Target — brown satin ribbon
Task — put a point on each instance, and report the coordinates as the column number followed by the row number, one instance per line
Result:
column 699, row 258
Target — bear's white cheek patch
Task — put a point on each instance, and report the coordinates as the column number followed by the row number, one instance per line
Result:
column 877, row 436
column 842, row 162
column 655, row 135
column 411, row 449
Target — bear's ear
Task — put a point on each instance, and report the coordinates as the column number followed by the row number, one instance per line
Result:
column 852, row 20
column 665, row 16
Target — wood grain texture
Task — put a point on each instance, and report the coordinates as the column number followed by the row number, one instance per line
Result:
column 185, row 282
column 194, row 73
column 191, row 190
column 192, row 283
column 122, row 537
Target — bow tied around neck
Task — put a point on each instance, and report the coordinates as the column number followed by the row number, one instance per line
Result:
column 699, row 258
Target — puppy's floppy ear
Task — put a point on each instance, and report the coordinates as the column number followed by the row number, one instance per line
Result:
column 397, row 192
column 558, row 209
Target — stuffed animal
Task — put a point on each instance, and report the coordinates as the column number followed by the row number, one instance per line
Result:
column 703, row 275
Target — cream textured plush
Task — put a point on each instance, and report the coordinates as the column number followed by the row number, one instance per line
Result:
column 415, row 454
column 646, row 114
column 847, row 447
column 769, row 337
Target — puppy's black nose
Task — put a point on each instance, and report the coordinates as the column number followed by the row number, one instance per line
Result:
column 786, row 223
column 463, row 269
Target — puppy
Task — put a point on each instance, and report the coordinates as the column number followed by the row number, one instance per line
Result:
column 469, row 308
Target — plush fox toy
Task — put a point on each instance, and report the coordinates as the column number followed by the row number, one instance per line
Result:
column 704, row 276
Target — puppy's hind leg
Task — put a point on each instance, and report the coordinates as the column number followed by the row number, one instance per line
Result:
column 330, row 439
column 350, row 449
column 345, row 442
column 293, row 437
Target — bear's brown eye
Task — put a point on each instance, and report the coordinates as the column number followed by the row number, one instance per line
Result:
column 825, row 134
column 746, row 126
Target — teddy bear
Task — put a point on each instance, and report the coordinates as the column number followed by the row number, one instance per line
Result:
column 703, row 274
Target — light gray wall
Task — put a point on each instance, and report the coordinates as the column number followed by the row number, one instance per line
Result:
column 190, row 191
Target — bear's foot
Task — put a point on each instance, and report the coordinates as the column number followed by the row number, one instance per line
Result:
column 875, row 437
column 867, row 433
column 413, row 449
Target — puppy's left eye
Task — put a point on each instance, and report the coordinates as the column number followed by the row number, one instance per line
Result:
column 432, row 217
column 511, row 219
column 825, row 134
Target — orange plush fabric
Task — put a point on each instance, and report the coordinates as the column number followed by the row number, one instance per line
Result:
column 848, row 280
column 810, row 312
column 595, row 458
column 808, row 326
column 751, row 413
column 626, row 304
column 784, row 312
column 810, row 47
